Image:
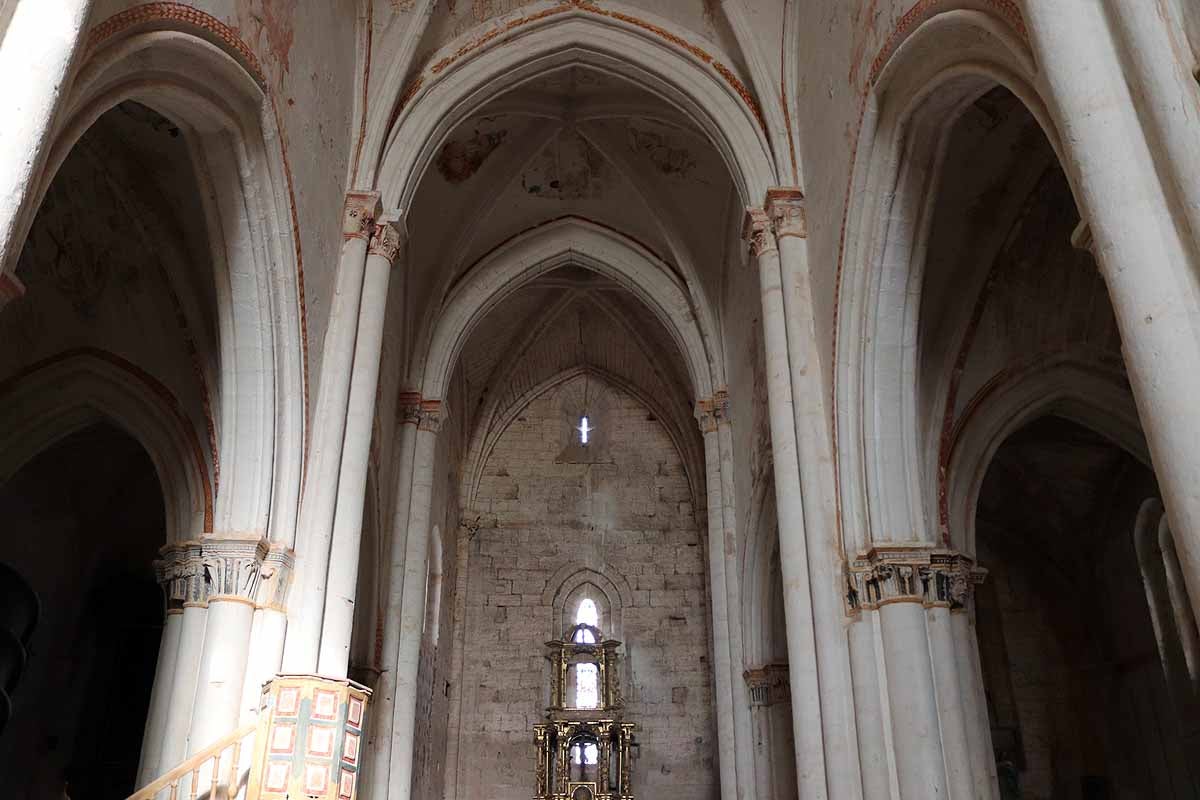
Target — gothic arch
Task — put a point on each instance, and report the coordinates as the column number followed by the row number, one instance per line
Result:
column 216, row 98
column 1074, row 390
column 566, row 585
column 473, row 67
column 567, row 241
column 887, row 466
column 60, row 396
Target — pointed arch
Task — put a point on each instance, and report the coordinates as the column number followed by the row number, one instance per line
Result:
column 477, row 66
column 1080, row 392
column 59, row 396
column 567, row 241
column 193, row 70
column 887, row 467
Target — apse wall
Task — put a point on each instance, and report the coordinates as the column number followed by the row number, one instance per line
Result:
column 622, row 507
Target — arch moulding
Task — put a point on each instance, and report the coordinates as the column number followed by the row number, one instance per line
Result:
column 547, row 247
column 479, row 66
column 69, row 392
column 1090, row 396
column 887, row 467
column 192, row 69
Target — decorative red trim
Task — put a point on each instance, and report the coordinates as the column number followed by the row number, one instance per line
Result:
column 589, row 7
column 206, row 25
column 924, row 10
column 159, row 390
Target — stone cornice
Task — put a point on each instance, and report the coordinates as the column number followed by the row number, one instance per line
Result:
column 911, row 573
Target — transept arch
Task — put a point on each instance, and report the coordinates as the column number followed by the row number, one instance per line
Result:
column 557, row 243
column 466, row 73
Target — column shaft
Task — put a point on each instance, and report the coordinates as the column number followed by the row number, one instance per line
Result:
column 743, row 730
column 222, row 671
column 342, row 588
column 723, row 666
column 915, row 730
column 1141, row 241
column 870, row 721
column 979, row 731
column 955, row 747
column 412, row 613
column 149, row 766
column 384, row 699
column 183, row 687
column 793, row 556
column 814, row 452
column 318, row 503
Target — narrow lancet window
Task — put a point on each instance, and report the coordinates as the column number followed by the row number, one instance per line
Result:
column 585, row 428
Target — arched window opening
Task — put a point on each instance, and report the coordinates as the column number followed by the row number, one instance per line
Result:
column 587, row 622
column 585, row 429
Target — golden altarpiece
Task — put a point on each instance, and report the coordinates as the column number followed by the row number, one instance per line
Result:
column 585, row 746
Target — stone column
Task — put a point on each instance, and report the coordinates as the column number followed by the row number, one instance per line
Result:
column 189, row 588
column 342, row 588
column 409, row 415
column 36, row 54
column 167, row 568
column 974, row 699
column 412, row 611
column 232, row 568
column 268, row 628
column 708, row 413
column 797, row 591
column 1130, row 190
column 318, row 504
column 814, row 452
column 909, row 592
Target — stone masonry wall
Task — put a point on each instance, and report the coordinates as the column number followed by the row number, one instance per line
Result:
column 628, row 514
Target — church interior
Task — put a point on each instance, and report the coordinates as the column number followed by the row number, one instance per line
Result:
column 599, row 400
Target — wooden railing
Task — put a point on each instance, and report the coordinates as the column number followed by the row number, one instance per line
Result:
column 206, row 775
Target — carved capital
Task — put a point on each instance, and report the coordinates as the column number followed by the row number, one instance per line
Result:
column 275, row 578
column 234, row 568
column 430, row 416
column 756, row 229
column 10, row 289
column 768, row 685
column 408, row 409
column 713, row 411
column 180, row 572
column 911, row 573
column 788, row 211
column 359, row 215
column 386, row 241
